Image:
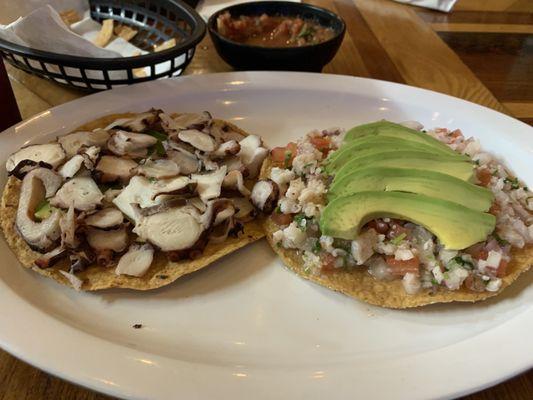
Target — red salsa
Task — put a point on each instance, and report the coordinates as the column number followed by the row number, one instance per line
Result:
column 272, row 31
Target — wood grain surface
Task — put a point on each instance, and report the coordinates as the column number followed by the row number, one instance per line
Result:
column 482, row 52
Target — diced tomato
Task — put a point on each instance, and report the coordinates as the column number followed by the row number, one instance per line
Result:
column 281, row 219
column 284, row 155
column 321, row 143
column 401, row 267
column 456, row 134
column 495, row 208
column 502, row 269
column 484, row 176
column 474, row 283
column 328, row 263
column 481, row 254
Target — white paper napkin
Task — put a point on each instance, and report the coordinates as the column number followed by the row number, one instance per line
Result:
column 206, row 8
column 43, row 29
column 441, row 5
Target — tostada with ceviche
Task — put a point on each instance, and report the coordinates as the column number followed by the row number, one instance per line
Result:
column 132, row 200
column 395, row 215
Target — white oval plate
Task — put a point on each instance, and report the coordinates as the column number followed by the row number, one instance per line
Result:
column 245, row 327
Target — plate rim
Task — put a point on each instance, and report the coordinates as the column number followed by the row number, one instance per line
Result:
column 19, row 346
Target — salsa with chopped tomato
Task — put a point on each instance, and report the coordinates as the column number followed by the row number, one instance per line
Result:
column 272, row 30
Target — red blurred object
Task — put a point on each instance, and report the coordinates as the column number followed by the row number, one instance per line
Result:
column 10, row 114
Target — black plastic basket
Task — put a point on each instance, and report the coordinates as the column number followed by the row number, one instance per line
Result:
column 156, row 22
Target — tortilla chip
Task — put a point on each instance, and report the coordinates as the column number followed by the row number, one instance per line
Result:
column 165, row 45
column 161, row 272
column 105, row 34
column 358, row 283
column 125, row 32
column 70, row 16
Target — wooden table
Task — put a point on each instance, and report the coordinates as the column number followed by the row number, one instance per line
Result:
column 482, row 52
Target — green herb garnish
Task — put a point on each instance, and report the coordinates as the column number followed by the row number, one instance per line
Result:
column 316, row 247
column 307, row 32
column 501, row 242
column 398, row 238
column 152, row 180
column 434, row 281
column 514, row 182
column 288, row 156
column 301, row 221
column 459, row 260
column 158, row 135
column 278, row 209
column 158, row 147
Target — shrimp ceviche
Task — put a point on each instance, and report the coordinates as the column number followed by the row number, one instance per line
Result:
column 428, row 213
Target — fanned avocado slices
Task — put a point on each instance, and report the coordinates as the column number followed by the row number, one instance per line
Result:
column 456, row 226
column 407, row 159
column 382, row 143
column 390, row 129
column 429, row 183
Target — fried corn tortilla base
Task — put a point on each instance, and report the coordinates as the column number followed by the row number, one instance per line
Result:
column 161, row 272
column 358, row 283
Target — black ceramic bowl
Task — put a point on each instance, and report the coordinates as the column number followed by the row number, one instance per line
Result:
column 305, row 58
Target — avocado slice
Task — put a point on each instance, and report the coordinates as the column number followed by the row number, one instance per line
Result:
column 408, row 159
column 390, row 129
column 429, row 183
column 456, row 226
column 368, row 145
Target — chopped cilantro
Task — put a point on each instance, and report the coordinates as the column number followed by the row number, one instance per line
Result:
column 302, row 221
column 153, row 180
column 278, row 209
column 398, row 239
column 316, row 247
column 288, row 156
column 158, row 135
column 514, row 183
column 459, row 260
column 307, row 32
column 434, row 281
column 160, row 149
column 501, row 242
